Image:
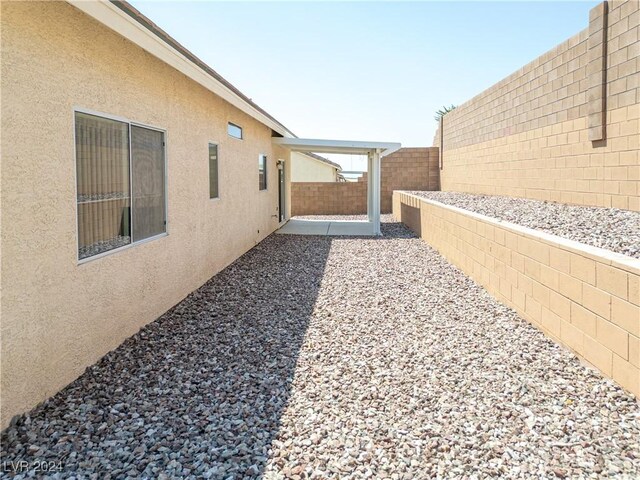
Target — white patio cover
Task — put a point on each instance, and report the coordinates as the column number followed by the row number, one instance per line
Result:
column 374, row 151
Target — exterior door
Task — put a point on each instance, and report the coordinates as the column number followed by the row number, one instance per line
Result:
column 281, row 191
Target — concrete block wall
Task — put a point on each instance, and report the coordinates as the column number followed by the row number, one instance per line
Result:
column 406, row 169
column 583, row 297
column 565, row 127
column 328, row 198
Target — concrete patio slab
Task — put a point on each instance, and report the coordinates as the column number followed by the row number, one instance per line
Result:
column 324, row 227
column 304, row 227
column 350, row 228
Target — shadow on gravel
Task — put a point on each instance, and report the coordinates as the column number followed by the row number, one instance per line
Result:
column 198, row 393
column 394, row 230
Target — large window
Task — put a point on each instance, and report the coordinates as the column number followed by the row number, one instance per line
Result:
column 262, row 172
column 120, row 172
column 234, row 130
column 213, row 171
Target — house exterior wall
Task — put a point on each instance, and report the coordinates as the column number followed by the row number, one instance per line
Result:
column 406, row 169
column 306, row 169
column 585, row 298
column 59, row 316
column 288, row 183
column 535, row 134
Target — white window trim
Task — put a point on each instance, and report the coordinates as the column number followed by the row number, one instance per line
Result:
column 215, row 199
column 241, row 137
column 266, row 172
column 130, row 123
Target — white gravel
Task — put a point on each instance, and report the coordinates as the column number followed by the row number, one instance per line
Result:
column 320, row 357
column 610, row 228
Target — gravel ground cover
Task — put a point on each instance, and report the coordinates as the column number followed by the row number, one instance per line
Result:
column 609, row 228
column 345, row 358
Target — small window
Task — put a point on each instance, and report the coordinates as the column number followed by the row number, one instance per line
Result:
column 213, row 171
column 234, row 130
column 262, row 172
column 120, row 171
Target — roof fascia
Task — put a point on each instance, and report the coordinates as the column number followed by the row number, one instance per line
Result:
column 124, row 24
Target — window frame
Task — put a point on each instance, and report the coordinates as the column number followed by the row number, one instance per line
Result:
column 217, row 144
column 130, row 123
column 231, row 124
column 266, row 176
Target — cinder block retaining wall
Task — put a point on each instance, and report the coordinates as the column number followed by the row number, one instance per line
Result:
column 583, row 297
column 406, row 169
column 565, row 127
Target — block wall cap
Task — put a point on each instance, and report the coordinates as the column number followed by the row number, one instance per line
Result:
column 601, row 255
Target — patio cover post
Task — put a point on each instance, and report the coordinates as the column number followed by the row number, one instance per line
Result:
column 374, row 186
column 369, row 187
column 373, row 190
column 374, row 151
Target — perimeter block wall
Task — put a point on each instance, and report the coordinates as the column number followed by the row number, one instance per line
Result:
column 565, row 127
column 407, row 169
column 328, row 198
column 585, row 298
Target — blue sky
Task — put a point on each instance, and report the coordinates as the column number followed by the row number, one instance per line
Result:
column 366, row 70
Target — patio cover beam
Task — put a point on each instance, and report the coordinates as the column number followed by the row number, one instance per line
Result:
column 335, row 146
column 374, row 152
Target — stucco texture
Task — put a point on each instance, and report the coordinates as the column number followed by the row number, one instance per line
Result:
column 59, row 316
column 307, row 169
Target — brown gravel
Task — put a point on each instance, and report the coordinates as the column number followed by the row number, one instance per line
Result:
column 319, row 357
column 609, row 228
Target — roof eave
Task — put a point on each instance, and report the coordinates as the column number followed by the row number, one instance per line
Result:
column 128, row 22
column 322, row 160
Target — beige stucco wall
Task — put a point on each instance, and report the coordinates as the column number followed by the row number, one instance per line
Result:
column 287, row 174
column 58, row 316
column 528, row 135
column 585, row 298
column 308, row 169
